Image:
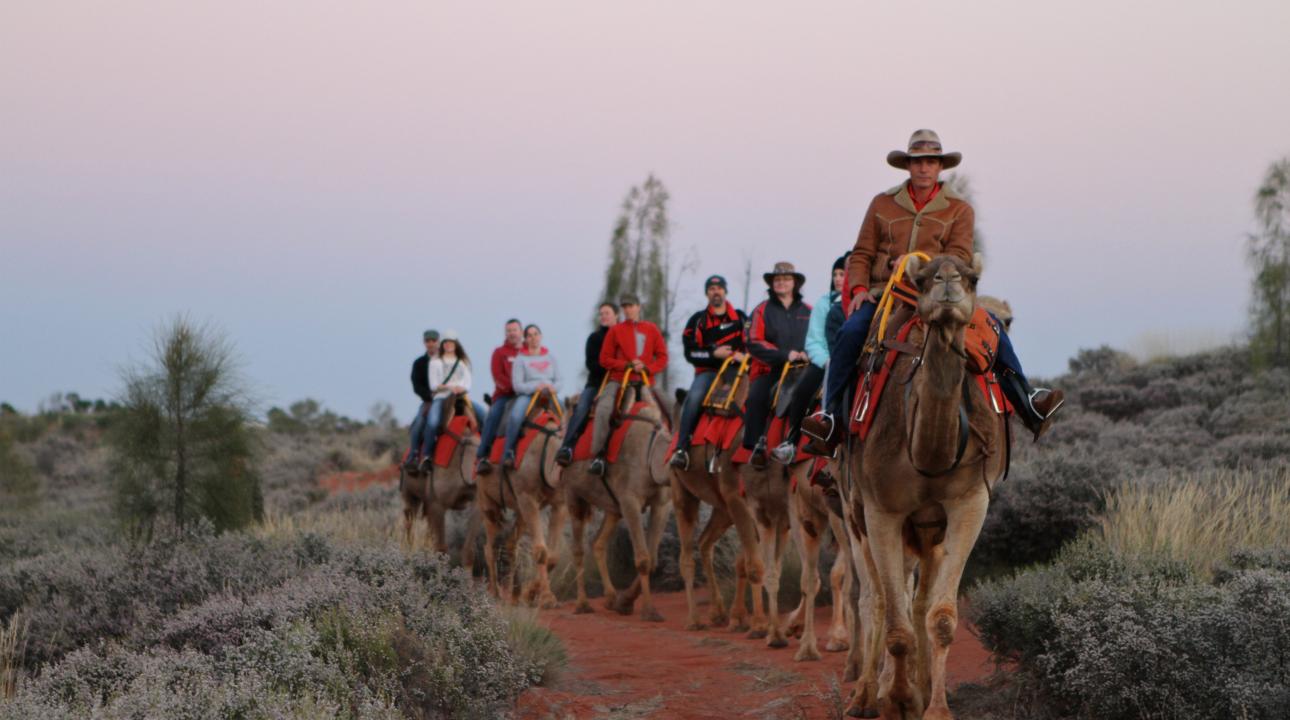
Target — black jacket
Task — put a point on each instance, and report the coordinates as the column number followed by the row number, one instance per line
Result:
column 595, row 373
column 705, row 332
column 421, row 378
column 774, row 330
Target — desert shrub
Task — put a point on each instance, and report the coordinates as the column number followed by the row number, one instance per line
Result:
column 19, row 487
column 1101, row 361
column 537, row 649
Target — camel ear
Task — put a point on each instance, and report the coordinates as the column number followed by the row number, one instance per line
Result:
column 913, row 267
column 978, row 264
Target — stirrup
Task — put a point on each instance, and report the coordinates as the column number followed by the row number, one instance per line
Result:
column 597, row 466
column 785, row 453
column 822, row 441
column 680, row 459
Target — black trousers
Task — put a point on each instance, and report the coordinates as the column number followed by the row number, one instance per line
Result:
column 803, row 394
column 758, row 408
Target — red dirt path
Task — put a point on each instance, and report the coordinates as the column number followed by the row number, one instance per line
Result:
column 623, row 667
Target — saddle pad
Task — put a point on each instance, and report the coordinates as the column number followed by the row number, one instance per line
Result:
column 458, row 428
column 526, row 439
column 718, row 431
column 582, row 451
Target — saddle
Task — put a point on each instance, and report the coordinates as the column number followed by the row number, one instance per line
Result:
column 582, row 451
column 544, row 409
column 721, row 399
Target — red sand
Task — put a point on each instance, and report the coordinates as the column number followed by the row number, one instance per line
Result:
column 353, row 480
column 624, row 667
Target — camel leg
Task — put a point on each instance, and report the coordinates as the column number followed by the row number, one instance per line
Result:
column 532, row 513
column 964, row 523
column 468, row 544
column 409, row 523
column 738, row 603
column 512, row 553
column 660, row 508
column 867, row 622
column 554, row 539
column 438, row 536
column 754, row 568
column 600, row 548
column 840, row 583
column 491, row 526
column 579, row 511
column 687, row 515
column 808, row 548
column 775, row 541
column 640, row 551
column 718, row 524
column 897, row 692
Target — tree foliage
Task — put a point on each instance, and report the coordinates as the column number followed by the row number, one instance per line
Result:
column 962, row 186
column 1269, row 254
column 182, row 444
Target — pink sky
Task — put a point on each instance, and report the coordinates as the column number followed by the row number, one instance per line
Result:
column 325, row 180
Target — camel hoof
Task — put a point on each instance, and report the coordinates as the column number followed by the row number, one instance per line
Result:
column 837, row 646
column 758, row 633
column 738, row 626
column 549, row 603
column 611, row 600
column 583, row 608
column 776, row 641
column 624, row 607
column 806, row 653
column 695, row 626
column 795, row 630
column 651, row 615
column 718, row 620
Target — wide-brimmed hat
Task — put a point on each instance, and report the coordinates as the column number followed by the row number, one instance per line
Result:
column 784, row 268
column 923, row 143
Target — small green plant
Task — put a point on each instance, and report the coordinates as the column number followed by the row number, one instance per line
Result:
column 535, row 646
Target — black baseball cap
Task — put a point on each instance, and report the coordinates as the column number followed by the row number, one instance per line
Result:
column 715, row 280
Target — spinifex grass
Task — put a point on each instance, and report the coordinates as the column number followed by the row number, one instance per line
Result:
column 13, row 645
column 1199, row 518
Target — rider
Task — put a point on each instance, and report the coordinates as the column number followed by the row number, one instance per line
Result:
column 500, row 366
column 632, row 343
column 776, row 335
column 607, row 315
column 922, row 215
column 826, row 318
column 421, row 386
column 449, row 374
column 711, row 335
column 535, row 370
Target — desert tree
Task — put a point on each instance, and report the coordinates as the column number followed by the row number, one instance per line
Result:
column 1269, row 255
column 182, row 444
column 642, row 260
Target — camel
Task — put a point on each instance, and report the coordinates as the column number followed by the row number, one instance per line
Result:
column 635, row 482
column 527, row 491
column 711, row 478
column 918, row 489
column 432, row 495
column 810, row 519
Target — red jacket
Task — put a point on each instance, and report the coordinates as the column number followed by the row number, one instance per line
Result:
column 503, row 359
column 620, row 349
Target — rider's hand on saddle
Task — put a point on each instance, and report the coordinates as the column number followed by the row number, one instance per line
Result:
column 723, row 352
column 637, row 365
column 796, row 356
column 457, row 390
column 741, row 356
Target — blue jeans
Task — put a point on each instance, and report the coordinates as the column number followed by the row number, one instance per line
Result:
column 417, row 431
column 431, row 434
column 693, row 406
column 515, row 421
column 495, row 415
column 850, row 340
column 578, row 419
column 846, row 353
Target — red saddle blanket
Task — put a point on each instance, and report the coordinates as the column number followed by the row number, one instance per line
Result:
column 870, row 386
column 718, row 431
column 582, row 451
column 774, row 436
column 526, row 439
column 458, row 429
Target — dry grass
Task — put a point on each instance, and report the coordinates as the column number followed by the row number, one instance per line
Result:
column 13, row 646
column 1199, row 518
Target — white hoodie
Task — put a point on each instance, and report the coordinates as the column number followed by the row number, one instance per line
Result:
column 439, row 366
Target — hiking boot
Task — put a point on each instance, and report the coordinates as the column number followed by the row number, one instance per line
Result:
column 564, row 456
column 1035, row 406
column 680, row 459
column 483, row 467
column 410, row 465
column 426, row 465
column 785, row 453
column 597, row 467
column 823, row 432
column 758, row 457
column 508, row 459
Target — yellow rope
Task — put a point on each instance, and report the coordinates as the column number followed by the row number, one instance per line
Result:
column 888, row 299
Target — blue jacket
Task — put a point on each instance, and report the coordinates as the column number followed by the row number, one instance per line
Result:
column 819, row 339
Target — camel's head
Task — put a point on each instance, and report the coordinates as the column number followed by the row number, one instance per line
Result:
column 997, row 307
column 947, row 289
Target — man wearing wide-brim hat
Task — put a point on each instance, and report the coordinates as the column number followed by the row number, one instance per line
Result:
column 776, row 335
column 924, row 215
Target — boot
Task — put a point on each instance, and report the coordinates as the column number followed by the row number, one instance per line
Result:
column 564, row 456
column 1035, row 406
column 681, row 459
column 426, row 463
column 483, row 466
column 758, row 458
column 824, row 432
column 597, row 466
column 508, row 459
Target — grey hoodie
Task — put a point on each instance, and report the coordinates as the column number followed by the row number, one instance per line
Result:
column 530, row 371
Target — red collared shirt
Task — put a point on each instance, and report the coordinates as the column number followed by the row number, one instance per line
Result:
column 920, row 204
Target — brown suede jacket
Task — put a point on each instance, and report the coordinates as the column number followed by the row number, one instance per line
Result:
column 893, row 228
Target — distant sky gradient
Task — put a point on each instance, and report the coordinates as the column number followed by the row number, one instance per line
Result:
column 324, row 180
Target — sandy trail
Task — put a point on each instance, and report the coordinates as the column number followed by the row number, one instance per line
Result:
column 622, row 667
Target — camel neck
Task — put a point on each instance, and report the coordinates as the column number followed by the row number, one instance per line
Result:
column 937, row 394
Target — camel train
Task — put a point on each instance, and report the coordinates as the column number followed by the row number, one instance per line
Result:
column 912, row 482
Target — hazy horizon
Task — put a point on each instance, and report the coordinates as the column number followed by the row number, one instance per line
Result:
column 325, row 182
